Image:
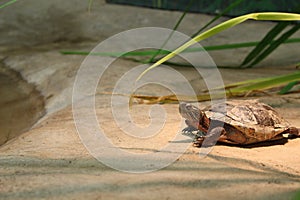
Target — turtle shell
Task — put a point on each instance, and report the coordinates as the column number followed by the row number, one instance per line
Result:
column 254, row 120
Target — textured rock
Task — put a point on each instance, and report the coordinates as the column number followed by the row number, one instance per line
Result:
column 35, row 22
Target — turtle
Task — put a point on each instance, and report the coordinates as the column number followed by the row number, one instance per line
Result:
column 241, row 122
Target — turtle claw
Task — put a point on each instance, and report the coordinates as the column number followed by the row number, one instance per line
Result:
column 198, row 139
column 194, row 133
column 200, row 134
column 189, row 129
column 197, row 144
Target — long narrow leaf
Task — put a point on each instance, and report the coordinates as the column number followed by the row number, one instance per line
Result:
column 226, row 10
column 242, row 83
column 269, row 37
column 174, row 29
column 260, row 84
column 288, row 87
column 223, row 26
column 275, row 44
column 273, row 82
column 116, row 54
column 8, row 3
column 164, row 52
column 90, row 5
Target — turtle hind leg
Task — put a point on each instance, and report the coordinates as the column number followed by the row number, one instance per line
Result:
column 293, row 132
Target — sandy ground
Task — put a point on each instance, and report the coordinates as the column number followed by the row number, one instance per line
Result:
column 50, row 161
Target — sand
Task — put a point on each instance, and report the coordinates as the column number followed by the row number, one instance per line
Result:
column 50, row 162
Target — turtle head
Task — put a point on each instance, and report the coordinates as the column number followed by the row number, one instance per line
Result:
column 190, row 112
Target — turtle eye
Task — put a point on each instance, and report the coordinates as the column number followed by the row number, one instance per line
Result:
column 188, row 106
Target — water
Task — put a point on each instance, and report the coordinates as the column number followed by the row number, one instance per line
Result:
column 21, row 105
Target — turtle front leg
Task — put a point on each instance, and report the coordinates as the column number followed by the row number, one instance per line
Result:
column 192, row 132
column 212, row 137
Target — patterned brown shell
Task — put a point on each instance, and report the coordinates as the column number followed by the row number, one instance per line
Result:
column 256, row 121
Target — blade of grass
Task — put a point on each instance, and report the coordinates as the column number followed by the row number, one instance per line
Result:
column 254, row 85
column 187, row 8
column 226, row 10
column 90, row 5
column 288, row 87
column 264, row 43
column 206, row 34
column 223, row 26
column 269, row 37
column 164, row 52
column 116, row 54
column 242, row 83
column 296, row 195
column 8, row 3
column 276, row 80
column 267, row 84
column 275, row 44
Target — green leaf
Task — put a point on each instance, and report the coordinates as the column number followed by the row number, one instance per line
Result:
column 232, row 90
column 174, row 29
column 269, row 37
column 296, row 196
column 90, row 5
column 223, row 26
column 226, row 10
column 288, row 87
column 8, row 3
column 268, row 83
column 164, row 52
column 243, row 83
column 275, row 44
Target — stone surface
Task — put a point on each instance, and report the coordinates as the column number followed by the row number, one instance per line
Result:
column 35, row 22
